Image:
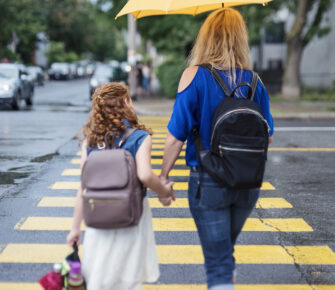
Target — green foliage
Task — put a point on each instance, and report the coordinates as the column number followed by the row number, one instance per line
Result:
column 10, row 55
column 169, row 74
column 57, row 53
column 26, row 19
column 80, row 25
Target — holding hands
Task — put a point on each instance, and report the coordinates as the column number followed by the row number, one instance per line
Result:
column 169, row 197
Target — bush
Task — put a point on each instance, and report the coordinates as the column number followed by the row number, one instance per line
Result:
column 169, row 74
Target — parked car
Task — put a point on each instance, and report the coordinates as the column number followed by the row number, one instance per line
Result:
column 73, row 70
column 15, row 85
column 103, row 74
column 60, row 70
column 37, row 73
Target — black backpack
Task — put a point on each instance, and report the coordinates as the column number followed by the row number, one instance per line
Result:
column 239, row 139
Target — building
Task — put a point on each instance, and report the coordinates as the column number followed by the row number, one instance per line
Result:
column 318, row 61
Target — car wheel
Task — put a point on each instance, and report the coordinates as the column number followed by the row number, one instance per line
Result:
column 16, row 105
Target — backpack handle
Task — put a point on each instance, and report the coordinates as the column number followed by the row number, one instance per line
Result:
column 225, row 87
column 244, row 84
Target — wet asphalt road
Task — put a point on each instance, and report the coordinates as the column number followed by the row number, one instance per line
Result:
column 33, row 135
column 29, row 140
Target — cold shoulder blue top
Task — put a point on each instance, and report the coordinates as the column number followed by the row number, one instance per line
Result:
column 195, row 106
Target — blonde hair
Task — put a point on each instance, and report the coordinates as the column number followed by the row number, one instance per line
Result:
column 223, row 42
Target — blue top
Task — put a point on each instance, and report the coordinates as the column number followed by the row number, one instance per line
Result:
column 132, row 144
column 195, row 106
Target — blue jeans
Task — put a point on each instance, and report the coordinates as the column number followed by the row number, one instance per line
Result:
column 219, row 214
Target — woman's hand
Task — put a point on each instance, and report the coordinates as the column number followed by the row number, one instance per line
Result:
column 73, row 236
column 166, row 200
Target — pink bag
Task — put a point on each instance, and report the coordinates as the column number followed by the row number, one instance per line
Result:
column 112, row 193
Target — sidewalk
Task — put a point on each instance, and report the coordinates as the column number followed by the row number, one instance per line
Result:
column 280, row 110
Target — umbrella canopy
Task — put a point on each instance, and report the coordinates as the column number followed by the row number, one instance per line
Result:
column 142, row 8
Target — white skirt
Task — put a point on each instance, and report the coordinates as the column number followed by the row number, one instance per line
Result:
column 121, row 259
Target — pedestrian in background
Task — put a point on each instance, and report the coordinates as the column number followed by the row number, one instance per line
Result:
column 119, row 258
column 139, row 80
column 146, row 71
column 223, row 43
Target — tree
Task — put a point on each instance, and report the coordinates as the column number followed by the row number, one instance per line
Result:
column 25, row 18
column 308, row 23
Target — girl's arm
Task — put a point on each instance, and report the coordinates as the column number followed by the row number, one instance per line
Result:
column 78, row 209
column 145, row 173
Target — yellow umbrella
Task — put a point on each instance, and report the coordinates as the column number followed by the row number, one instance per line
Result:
column 142, row 8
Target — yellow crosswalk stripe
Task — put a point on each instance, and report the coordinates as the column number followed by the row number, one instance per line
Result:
column 170, row 224
column 175, row 172
column 160, row 130
column 160, row 161
column 273, row 202
column 20, row 286
column 183, row 254
column 263, row 202
column 75, row 161
column 159, row 145
column 36, row 286
column 159, row 135
column 161, row 153
column 74, row 185
column 153, row 161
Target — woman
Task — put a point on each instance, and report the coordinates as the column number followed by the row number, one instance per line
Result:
column 119, row 258
column 223, row 43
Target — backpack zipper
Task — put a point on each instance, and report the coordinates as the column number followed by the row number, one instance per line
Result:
column 236, row 111
column 221, row 148
column 92, row 202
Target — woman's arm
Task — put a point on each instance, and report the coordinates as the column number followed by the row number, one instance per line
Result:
column 78, row 209
column 145, row 173
column 172, row 150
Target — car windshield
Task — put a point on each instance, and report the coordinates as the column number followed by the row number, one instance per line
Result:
column 103, row 72
column 3, row 76
column 9, row 72
column 58, row 66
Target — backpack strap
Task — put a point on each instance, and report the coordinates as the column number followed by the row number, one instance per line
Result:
column 218, row 78
column 126, row 136
column 121, row 143
column 254, row 83
column 224, row 86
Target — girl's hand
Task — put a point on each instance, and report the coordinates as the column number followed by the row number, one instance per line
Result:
column 166, row 201
column 74, row 235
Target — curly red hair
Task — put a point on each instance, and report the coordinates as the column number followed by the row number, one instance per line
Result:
column 111, row 104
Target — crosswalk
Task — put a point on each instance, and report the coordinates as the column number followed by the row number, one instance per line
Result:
column 179, row 249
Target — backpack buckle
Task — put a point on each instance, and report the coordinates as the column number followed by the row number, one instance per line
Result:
column 101, row 145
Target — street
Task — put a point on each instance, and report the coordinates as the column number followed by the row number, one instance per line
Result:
column 287, row 243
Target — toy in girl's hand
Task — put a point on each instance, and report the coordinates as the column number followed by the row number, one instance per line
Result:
column 65, row 276
column 53, row 280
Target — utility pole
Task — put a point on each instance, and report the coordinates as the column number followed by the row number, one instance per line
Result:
column 132, row 54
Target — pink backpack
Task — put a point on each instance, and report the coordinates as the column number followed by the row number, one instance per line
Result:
column 112, row 194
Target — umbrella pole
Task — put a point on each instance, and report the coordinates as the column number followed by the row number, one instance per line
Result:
column 132, row 55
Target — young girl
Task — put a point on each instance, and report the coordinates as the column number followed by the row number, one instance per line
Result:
column 120, row 259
